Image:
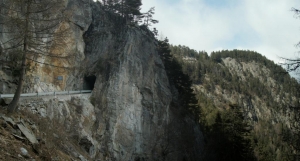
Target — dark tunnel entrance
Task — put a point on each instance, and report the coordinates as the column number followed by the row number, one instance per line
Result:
column 89, row 82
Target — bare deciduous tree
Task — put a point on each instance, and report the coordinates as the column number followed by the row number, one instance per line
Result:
column 292, row 64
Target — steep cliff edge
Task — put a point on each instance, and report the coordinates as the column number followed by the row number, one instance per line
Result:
column 129, row 115
column 132, row 94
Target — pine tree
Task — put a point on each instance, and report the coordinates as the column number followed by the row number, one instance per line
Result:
column 179, row 80
column 131, row 9
column 148, row 17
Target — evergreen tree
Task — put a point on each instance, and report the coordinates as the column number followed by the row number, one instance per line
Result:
column 179, row 80
column 131, row 9
column 155, row 32
column 229, row 139
column 148, row 17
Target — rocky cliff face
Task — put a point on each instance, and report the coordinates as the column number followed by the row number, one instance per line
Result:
column 266, row 95
column 132, row 94
column 130, row 116
column 268, row 107
column 43, row 77
column 256, row 108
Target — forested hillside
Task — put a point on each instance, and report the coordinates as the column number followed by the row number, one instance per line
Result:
column 247, row 103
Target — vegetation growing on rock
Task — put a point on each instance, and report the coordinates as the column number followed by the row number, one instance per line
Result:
column 263, row 90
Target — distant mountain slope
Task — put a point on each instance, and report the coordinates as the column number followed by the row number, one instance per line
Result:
column 266, row 94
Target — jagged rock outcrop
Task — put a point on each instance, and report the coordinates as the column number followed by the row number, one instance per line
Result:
column 245, row 80
column 129, row 115
column 132, row 94
column 256, row 108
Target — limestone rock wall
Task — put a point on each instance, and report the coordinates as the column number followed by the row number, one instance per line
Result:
column 256, row 108
column 43, row 76
column 129, row 115
column 132, row 96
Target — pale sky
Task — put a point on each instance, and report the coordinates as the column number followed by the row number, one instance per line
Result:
column 266, row 26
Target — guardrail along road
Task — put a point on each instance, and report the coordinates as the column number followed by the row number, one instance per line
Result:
column 46, row 93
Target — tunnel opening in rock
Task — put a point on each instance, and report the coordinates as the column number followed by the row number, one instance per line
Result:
column 89, row 82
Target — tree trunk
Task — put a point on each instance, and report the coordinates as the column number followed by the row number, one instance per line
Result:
column 12, row 107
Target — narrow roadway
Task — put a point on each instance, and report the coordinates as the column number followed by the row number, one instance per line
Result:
column 46, row 94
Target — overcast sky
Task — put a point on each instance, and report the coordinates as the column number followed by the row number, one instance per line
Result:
column 266, row 26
